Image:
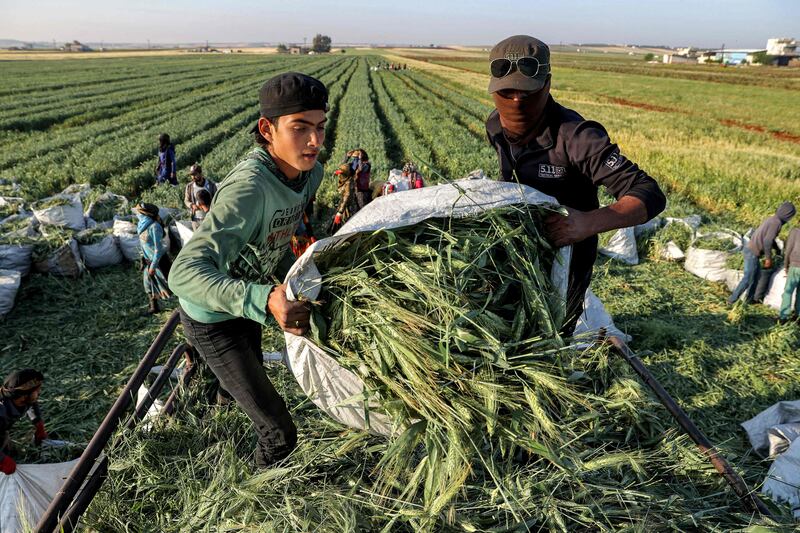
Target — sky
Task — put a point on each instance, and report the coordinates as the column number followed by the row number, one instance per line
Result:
column 706, row 23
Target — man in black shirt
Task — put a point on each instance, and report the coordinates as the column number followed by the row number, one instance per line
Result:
column 553, row 149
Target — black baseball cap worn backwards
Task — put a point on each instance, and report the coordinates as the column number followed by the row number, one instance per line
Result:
column 291, row 92
column 520, row 62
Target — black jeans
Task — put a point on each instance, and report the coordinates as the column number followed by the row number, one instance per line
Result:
column 232, row 350
column 584, row 254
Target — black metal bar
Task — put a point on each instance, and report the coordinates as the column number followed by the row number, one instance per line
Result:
column 169, row 405
column 73, row 482
column 748, row 498
column 155, row 389
column 87, row 493
column 95, row 480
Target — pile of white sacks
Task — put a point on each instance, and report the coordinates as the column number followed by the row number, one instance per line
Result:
column 711, row 265
column 20, row 232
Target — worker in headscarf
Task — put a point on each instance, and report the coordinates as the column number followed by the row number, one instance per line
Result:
column 19, row 396
column 154, row 252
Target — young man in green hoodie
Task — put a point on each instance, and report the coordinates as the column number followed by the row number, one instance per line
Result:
column 223, row 276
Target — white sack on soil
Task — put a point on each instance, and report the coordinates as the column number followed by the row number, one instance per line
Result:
column 594, row 318
column 65, row 216
column 774, row 296
column 127, row 239
column 9, row 285
column 101, row 254
column 182, row 231
column 712, row 265
column 16, row 257
column 26, row 494
column 771, row 432
column 622, row 247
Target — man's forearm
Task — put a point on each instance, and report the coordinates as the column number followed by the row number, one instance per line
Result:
column 625, row 212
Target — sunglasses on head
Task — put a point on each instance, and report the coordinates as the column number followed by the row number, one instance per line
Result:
column 527, row 66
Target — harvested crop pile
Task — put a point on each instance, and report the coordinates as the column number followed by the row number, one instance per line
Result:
column 53, row 201
column 92, row 236
column 51, row 240
column 453, row 326
column 106, row 206
column 720, row 244
column 8, row 208
column 677, row 232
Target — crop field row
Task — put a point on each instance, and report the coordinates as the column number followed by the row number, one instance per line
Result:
column 119, row 152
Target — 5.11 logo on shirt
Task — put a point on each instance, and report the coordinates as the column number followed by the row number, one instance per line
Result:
column 547, row 170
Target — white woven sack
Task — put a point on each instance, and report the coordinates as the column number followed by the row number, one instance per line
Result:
column 594, row 318
column 16, row 257
column 622, row 247
column 93, row 210
column 673, row 252
column 782, row 483
column 336, row 390
column 9, row 285
column 26, row 494
column 774, row 295
column 183, row 230
column 101, row 254
column 65, row 216
column 712, row 264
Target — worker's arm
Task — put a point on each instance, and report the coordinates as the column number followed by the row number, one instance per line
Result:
column 639, row 198
column 791, row 244
column 579, row 225
column 171, row 153
column 199, row 274
column 187, row 196
column 770, row 233
column 35, row 416
column 345, row 197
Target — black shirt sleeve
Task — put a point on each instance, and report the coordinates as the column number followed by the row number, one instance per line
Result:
column 595, row 156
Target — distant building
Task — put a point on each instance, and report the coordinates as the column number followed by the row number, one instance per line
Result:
column 299, row 50
column 75, row 46
column 783, row 51
column 782, row 46
column 678, row 58
column 727, row 57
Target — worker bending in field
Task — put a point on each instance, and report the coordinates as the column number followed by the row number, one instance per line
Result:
column 223, row 276
column 553, row 149
column 792, row 264
column 19, row 396
column 758, row 255
column 190, row 195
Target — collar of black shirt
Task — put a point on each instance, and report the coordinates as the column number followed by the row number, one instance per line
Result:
column 543, row 141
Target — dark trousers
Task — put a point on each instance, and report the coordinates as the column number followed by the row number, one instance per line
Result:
column 581, row 266
column 750, row 280
column 363, row 198
column 232, row 350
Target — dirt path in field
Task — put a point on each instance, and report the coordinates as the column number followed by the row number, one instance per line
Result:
column 779, row 135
